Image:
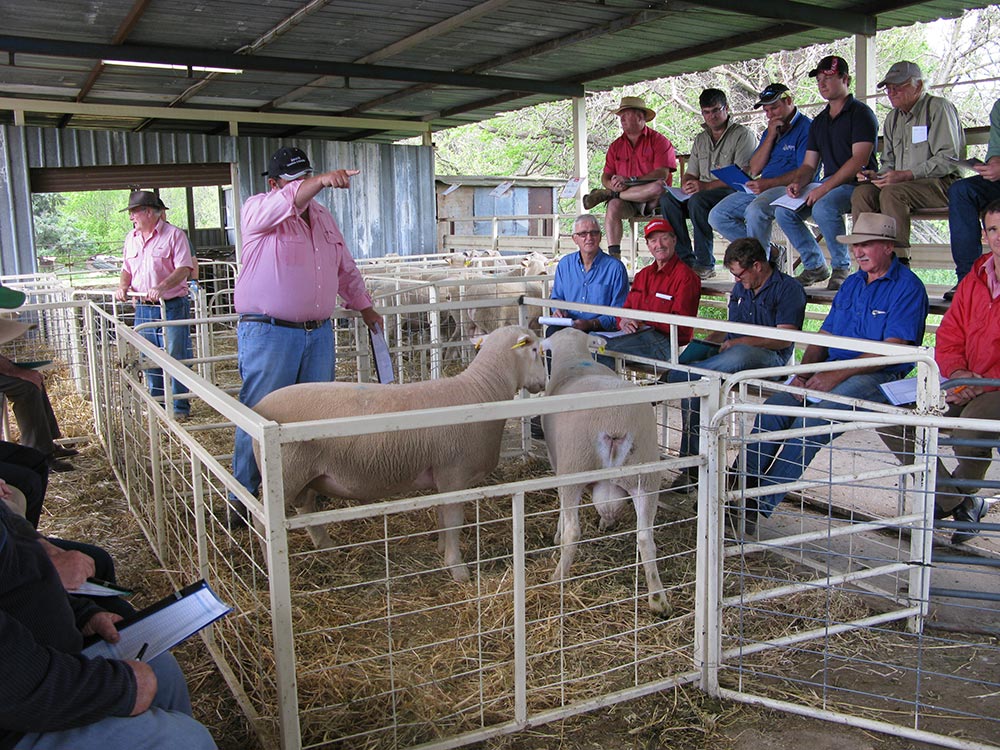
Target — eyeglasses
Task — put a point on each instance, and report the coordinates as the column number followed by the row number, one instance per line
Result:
column 892, row 88
column 739, row 276
column 712, row 111
column 588, row 233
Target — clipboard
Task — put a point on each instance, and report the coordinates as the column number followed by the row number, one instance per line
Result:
column 161, row 626
column 381, row 356
column 733, row 176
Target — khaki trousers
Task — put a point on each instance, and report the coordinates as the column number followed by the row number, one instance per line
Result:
column 899, row 201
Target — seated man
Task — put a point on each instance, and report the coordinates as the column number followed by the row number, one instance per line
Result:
column 781, row 150
column 720, row 143
column 763, row 296
column 967, row 346
column 842, row 138
column 28, row 470
column 589, row 276
column 664, row 286
column 966, row 200
column 53, row 697
column 637, row 166
column 882, row 301
column 921, row 138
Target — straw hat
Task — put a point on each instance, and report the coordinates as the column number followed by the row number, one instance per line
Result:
column 870, row 227
column 635, row 102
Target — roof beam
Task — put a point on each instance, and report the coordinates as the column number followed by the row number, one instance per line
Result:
column 424, row 35
column 816, row 16
column 208, row 115
column 209, row 58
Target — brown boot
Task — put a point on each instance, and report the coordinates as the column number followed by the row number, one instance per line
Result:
column 596, row 197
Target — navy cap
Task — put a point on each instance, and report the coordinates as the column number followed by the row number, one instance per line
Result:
column 288, row 163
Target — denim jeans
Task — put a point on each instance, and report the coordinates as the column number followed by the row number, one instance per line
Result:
column 773, row 463
column 828, row 212
column 271, row 357
column 165, row 726
column 746, row 215
column 648, row 343
column 966, row 199
column 735, row 359
column 696, row 208
column 176, row 341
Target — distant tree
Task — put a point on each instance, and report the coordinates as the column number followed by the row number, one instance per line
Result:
column 55, row 232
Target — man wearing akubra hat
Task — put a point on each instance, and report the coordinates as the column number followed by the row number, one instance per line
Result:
column 637, row 166
column 780, row 152
column 294, row 264
column 842, row 138
column 882, row 301
column 921, row 139
column 157, row 265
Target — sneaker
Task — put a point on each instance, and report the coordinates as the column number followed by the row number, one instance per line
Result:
column 971, row 511
column 950, row 294
column 837, row 277
column 684, row 484
column 810, row 276
column 596, row 197
column 705, row 272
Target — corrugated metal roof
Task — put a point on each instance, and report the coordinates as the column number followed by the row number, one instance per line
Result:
column 449, row 55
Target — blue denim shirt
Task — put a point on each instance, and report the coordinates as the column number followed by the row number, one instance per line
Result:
column 606, row 283
column 789, row 151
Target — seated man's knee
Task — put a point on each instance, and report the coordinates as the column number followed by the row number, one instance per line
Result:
column 963, row 191
column 617, row 210
column 866, row 198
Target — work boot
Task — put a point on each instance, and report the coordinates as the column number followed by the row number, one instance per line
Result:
column 971, row 511
column 596, row 197
column 705, row 272
column 810, row 276
column 837, row 277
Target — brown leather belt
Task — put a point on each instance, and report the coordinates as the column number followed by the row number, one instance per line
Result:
column 307, row 325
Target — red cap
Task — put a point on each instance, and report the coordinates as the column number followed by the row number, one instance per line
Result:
column 658, row 225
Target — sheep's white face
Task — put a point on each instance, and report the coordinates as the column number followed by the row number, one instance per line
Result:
column 532, row 364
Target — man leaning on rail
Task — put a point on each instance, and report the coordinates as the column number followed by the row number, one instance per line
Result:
column 882, row 301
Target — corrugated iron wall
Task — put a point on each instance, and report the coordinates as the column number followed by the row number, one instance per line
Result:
column 389, row 209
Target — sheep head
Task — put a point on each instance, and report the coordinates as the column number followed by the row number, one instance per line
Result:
column 570, row 342
column 524, row 349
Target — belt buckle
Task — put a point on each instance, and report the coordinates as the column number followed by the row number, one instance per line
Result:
column 312, row 325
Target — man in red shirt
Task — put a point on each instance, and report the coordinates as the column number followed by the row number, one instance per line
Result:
column 666, row 285
column 639, row 163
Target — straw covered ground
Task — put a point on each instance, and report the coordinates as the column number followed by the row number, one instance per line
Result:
column 88, row 505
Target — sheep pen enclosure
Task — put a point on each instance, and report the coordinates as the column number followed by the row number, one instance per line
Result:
column 371, row 644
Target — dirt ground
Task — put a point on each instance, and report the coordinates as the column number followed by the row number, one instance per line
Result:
column 87, row 504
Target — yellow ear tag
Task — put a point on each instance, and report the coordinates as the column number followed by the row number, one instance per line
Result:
column 600, row 349
column 479, row 344
column 519, row 344
column 468, row 263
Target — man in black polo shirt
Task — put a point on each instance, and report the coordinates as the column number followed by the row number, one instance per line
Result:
column 843, row 136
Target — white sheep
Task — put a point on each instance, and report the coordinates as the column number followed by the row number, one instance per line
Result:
column 592, row 439
column 374, row 466
column 481, row 320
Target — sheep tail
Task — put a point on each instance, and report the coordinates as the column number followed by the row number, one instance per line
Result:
column 613, row 449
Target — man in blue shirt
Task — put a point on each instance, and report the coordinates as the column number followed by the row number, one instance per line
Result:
column 842, row 137
column 883, row 301
column 762, row 296
column 780, row 152
column 590, row 277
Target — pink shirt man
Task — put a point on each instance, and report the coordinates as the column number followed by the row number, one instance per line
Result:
column 150, row 262
column 293, row 270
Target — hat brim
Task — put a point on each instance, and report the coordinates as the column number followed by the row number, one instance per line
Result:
column 647, row 112
column 294, row 175
column 11, row 298
column 857, row 239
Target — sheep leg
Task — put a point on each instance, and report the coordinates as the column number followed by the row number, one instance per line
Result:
column 452, row 517
column 568, row 533
column 645, row 518
column 305, row 502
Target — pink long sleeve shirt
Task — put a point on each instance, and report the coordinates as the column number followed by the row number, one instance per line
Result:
column 290, row 269
column 150, row 261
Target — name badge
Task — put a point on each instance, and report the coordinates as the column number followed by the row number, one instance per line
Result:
column 661, row 295
column 919, row 133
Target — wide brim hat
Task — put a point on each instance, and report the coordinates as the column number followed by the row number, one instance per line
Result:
column 635, row 102
column 870, row 227
column 141, row 198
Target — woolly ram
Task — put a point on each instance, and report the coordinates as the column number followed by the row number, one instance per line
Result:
column 374, row 466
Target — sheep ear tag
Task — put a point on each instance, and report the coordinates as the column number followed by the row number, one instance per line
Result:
column 478, row 343
column 523, row 341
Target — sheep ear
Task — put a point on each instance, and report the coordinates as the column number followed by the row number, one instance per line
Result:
column 523, row 341
column 597, row 344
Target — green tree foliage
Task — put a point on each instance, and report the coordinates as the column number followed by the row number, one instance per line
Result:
column 55, row 233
